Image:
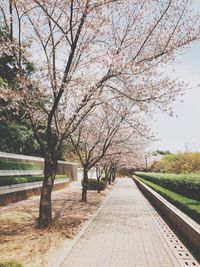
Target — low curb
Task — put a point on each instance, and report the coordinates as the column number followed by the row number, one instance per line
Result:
column 186, row 227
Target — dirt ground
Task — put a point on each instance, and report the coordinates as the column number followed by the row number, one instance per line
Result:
column 21, row 240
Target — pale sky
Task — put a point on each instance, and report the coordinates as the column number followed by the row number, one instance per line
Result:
column 182, row 132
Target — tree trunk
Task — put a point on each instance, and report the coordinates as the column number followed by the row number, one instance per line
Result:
column 109, row 180
column 109, row 175
column 11, row 19
column 106, row 174
column 114, row 175
column 98, row 184
column 45, row 212
column 85, row 185
column 114, row 170
column 98, row 175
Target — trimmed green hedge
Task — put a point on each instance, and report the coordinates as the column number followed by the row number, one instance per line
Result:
column 15, row 165
column 93, row 185
column 190, row 206
column 27, row 179
column 11, row 264
column 184, row 184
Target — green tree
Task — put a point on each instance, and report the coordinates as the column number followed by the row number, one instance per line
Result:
column 15, row 131
column 187, row 162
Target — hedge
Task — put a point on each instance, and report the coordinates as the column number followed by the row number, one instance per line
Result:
column 190, row 206
column 184, row 184
column 25, row 179
column 93, row 185
column 15, row 165
column 11, row 264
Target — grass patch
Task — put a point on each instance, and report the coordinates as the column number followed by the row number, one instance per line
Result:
column 16, row 165
column 11, row 264
column 184, row 184
column 25, row 179
column 190, row 206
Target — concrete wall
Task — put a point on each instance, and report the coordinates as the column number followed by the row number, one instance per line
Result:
column 26, row 192
column 64, row 167
column 68, row 168
column 91, row 173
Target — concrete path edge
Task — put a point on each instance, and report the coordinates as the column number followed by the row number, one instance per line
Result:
column 188, row 229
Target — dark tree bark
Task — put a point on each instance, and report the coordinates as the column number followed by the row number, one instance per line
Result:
column 98, row 174
column 45, row 212
column 85, row 184
column 114, row 170
column 98, row 184
column 109, row 179
column 11, row 19
column 106, row 173
column 109, row 174
column 114, row 175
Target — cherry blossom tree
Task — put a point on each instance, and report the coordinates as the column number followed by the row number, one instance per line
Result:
column 92, row 139
column 106, row 133
column 88, row 49
column 127, row 150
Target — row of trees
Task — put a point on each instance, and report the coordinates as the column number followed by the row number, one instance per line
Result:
column 97, row 74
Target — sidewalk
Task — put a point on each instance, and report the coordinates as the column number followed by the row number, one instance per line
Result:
column 123, row 234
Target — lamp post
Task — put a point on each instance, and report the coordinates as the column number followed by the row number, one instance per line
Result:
column 146, row 162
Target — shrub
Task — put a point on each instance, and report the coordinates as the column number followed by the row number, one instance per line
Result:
column 11, row 180
column 185, row 184
column 93, row 185
column 15, row 165
column 103, row 179
column 189, row 206
column 11, row 264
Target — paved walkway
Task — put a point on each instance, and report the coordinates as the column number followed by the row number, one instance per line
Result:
column 123, row 234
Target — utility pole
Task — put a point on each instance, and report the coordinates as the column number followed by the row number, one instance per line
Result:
column 186, row 147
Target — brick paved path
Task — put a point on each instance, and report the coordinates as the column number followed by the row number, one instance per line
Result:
column 123, row 234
